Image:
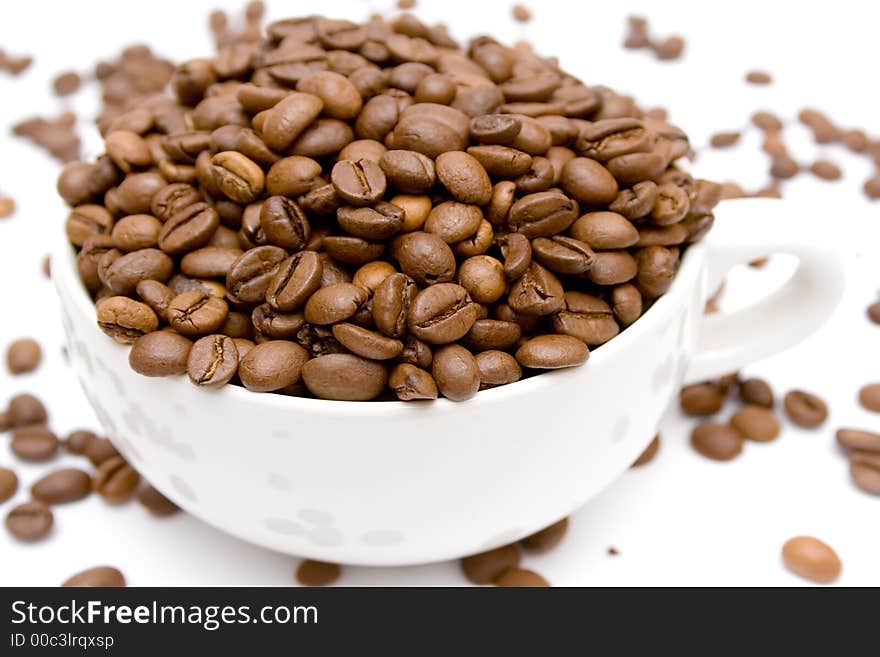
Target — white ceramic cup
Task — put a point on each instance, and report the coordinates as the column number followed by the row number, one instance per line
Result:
column 394, row 483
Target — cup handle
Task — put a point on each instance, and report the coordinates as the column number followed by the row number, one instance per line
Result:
column 747, row 229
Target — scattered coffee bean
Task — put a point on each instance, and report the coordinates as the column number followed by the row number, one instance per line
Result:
column 864, row 467
column 546, row 539
column 116, row 480
column 701, row 399
column 24, row 410
column 872, row 187
column 759, row 77
column 30, row 521
column 521, row 578
column 756, row 392
column 669, row 48
column 64, row 485
column 859, row 440
column 98, row 450
column 521, row 13
column 7, row 206
column 826, row 170
column 724, row 139
column 811, row 559
column 66, row 83
column 715, row 441
column 874, row 312
column 77, row 441
column 766, row 121
column 317, row 573
column 156, row 503
column 486, row 567
column 99, row 576
column 8, row 484
column 824, row 130
column 869, row 397
column 756, row 423
column 805, row 409
column 23, row 356
column 34, row 443
column 648, row 454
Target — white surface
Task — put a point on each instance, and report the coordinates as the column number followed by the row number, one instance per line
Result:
column 680, row 520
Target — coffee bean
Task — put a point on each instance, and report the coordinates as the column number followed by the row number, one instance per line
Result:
column 546, row 539
column 715, row 441
column 587, row 318
column 340, row 97
column 156, row 503
column 378, row 222
column 408, row 171
column 188, row 229
column 648, row 454
column 360, row 182
column 23, row 355
column 61, row 486
column 317, row 573
column 756, row 392
column 701, row 399
column 756, row 423
column 77, row 440
column 295, row 280
column 864, row 467
column 811, row 559
column 441, row 313
column 626, row 303
column 250, row 276
column 425, row 257
column 869, row 397
column 486, row 567
column 238, row 177
column 272, row 365
column 804, row 409
column 464, row 177
column 826, row 170
column 99, row 576
column 124, row 319
column 344, row 377
column 758, row 77
column 8, row 484
column 392, row 300
column 292, row 176
column 212, row 361
column 135, row 192
column 453, row 222
column 487, row 334
column 588, row 181
column 856, row 439
column 483, row 277
column 542, row 214
column 368, row 344
column 284, row 223
column 352, row 250
column 7, row 206
column 670, row 48
column 116, row 480
column 196, row 313
column 657, row 266
column 335, row 303
column 536, row 292
column 500, row 129
column 521, row 578
column 30, row 521
column 552, row 352
column 724, row 139
column 605, row 231
column 872, row 187
column 373, row 274
column 87, row 220
column 99, row 450
column 34, row 443
column 874, row 312
column 497, row 368
column 289, row 117
column 24, row 410
column 412, row 383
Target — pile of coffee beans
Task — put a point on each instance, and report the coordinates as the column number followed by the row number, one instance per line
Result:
column 639, row 37
column 374, row 201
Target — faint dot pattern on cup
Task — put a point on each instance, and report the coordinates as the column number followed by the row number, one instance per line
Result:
column 663, row 375
column 127, row 449
column 180, row 409
column 183, row 488
column 328, row 536
column 280, row 433
column 621, row 427
column 284, row 526
column 381, row 537
column 185, row 452
column 316, row 517
column 278, row 481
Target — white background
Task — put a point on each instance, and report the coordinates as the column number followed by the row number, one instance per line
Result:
column 682, row 520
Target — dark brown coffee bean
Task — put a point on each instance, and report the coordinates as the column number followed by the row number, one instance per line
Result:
column 412, row 383
column 196, row 313
column 546, row 539
column 648, row 454
column 344, row 377
column 536, row 292
column 501, row 161
column 125, row 319
column 804, row 409
column 360, row 182
column 486, row 567
column 335, row 303
column 425, row 257
column 500, row 129
column 212, row 361
column 811, row 559
column 456, row 372
column 116, row 480
column 368, row 344
column 63, row 485
column 272, row 324
column 272, row 365
column 172, row 199
column 503, row 197
column 588, row 181
column 391, row 303
column 295, row 280
column 23, row 355
column 160, row 353
column 378, row 222
column 609, row 138
column 87, row 220
column 155, row 502
column 350, row 250
column 284, row 223
column 701, row 399
column 483, row 277
column 8, row 484
column 542, row 214
column 30, row 521
column 657, row 266
column 453, row 222
column 124, row 272
column 135, row 192
column 292, row 176
column 517, row 253
column 864, row 467
column 317, row 573
column 250, row 276
column 441, row 314
column 856, row 439
column 869, row 397
column 626, row 302
column 289, row 117
column 408, row 171
column 189, row 229
column 718, row 442
column 136, row 231
column 497, row 368
column 99, row 576
column 756, row 392
column 426, row 134
column 464, row 177
column 756, row 423
column 24, row 410
column 552, row 352
column 587, row 318
column 488, row 334
column 636, row 202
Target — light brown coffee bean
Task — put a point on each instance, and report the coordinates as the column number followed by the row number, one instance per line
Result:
column 542, row 214
column 588, row 181
column 756, row 423
column 160, row 353
column 317, row 573
column 196, row 313
column 136, row 231
column 411, row 383
column 335, row 303
column 61, row 486
column 212, row 361
column 521, row 578
column 366, row 343
column 360, row 182
column 869, row 397
column 24, row 410
column 373, row 274
column 155, row 502
column 425, row 257
column 344, row 377
column 292, row 176
column 811, row 559
column 30, row 521
column 605, row 231
column 441, row 313
column 289, row 117
column 378, row 222
column 487, row 334
column 483, row 277
column 756, row 392
column 864, row 468
column 99, row 576
column 116, row 480
column 295, row 280
column 587, row 318
column 648, row 454
column 700, row 399
column 857, row 439
column 464, row 177
column 536, row 292
column 613, row 268
column 715, row 441
column 456, row 372
column 23, row 355
column 546, row 539
column 408, row 171
column 188, row 229
column 552, row 352
column 8, row 484
column 486, row 567
column 272, row 365
column 497, row 368
column 250, row 276
column 804, row 409
column 626, row 303
column 340, row 97
column 453, row 222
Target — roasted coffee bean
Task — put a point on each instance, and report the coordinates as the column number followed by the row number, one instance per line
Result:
column 657, row 266
column 758, row 77
column 701, row 399
column 539, row 177
column 196, row 313
column 517, row 253
column 811, row 559
column 500, row 129
column 116, row 480
column 124, row 272
column 552, row 352
column 368, row 344
column 464, row 177
column 478, row 243
column 391, row 303
column 24, row 409
column 378, row 222
column 99, row 576
column 412, row 383
column 718, row 442
column 34, row 443
column 626, row 302
column 289, row 117
column 136, row 231
column 238, row 177
column 486, row 567
column 30, row 521
column 210, row 261
column 99, row 450
column 335, row 303
column 317, row 573
column 212, row 361
column 874, row 312
column 272, row 365
column 756, row 392
column 546, row 539
column 542, row 214
column 250, row 276
column 453, row 222
column 23, row 355
column 8, row 484
column 636, row 202
column 63, row 485
column 408, row 171
column 292, row 176
column 323, row 137
column 521, row 578
column 373, row 274
column 724, row 139
column 135, row 192
column 605, row 231
column 441, row 314
column 648, row 454
column 864, row 467
column 483, row 277
column 756, row 423
column 284, row 223
column 859, row 440
column 295, row 280
column 425, row 257
column 869, row 397
column 669, row 48
column 172, row 199
column 344, row 377
column 360, row 182
column 160, row 353
column 588, row 181
column 340, row 97
column 501, row 161
column 87, row 220
column 188, row 229
column 826, row 170
column 488, row 334
column 536, row 292
column 497, row 368
column 503, row 197
column 156, row 295
column 155, row 502
column 456, row 372
column 587, row 318
column 804, row 409
column 350, row 250
column 128, row 150
column 671, row 205
column 125, row 319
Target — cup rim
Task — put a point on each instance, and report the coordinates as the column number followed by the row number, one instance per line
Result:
column 68, row 284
